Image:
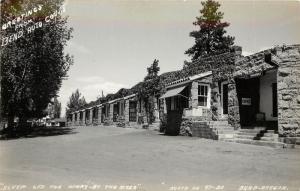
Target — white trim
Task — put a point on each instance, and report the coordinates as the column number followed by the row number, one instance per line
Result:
column 130, row 96
column 112, row 101
column 208, row 95
column 204, row 74
column 188, row 79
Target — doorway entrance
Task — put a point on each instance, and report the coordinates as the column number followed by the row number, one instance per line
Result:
column 115, row 112
column 132, row 111
column 248, row 98
column 224, row 99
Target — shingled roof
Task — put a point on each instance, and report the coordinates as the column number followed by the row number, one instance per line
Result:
column 201, row 65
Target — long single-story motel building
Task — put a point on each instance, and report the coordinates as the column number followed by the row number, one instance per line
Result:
column 251, row 99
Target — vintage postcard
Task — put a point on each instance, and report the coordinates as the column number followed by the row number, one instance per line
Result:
column 150, row 95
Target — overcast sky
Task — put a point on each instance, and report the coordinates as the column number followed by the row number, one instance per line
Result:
column 114, row 41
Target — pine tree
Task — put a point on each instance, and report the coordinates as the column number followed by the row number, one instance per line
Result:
column 56, row 108
column 75, row 102
column 210, row 39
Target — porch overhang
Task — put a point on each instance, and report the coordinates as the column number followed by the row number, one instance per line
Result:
column 173, row 92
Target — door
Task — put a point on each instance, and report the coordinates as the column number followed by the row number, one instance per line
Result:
column 274, row 100
column 174, row 114
column 225, row 98
column 174, row 119
column 248, row 97
column 115, row 112
column 132, row 111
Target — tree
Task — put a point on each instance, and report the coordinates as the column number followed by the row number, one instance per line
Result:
column 34, row 65
column 210, row 39
column 56, row 108
column 150, row 89
column 75, row 102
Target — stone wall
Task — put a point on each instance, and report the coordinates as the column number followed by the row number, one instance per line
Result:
column 288, row 87
column 189, row 127
column 233, row 105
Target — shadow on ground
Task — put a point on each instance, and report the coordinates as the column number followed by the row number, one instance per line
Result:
column 35, row 132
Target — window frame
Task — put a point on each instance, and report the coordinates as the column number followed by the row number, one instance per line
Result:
column 208, row 96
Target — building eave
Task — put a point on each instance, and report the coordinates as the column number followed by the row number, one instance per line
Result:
column 189, row 79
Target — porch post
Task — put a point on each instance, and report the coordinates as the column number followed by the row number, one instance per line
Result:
column 120, row 107
column 126, row 110
column 156, row 109
column 91, row 116
column 165, row 106
column 83, row 118
column 99, row 115
column 288, row 89
column 233, row 105
column 73, row 119
column 216, row 99
column 111, row 112
column 194, row 95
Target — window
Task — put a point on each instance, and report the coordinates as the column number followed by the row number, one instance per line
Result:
column 203, row 95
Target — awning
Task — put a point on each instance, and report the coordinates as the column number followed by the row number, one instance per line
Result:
column 173, row 92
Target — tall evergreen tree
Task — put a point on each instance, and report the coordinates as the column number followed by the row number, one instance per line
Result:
column 56, row 108
column 210, row 39
column 75, row 102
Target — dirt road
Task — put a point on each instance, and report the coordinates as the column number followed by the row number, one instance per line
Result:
column 109, row 158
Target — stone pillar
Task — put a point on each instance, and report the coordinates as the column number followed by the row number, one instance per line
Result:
column 193, row 102
column 164, row 106
column 216, row 106
column 99, row 115
column 156, row 109
column 111, row 112
column 233, row 105
column 73, row 119
column 83, row 118
column 288, row 93
column 144, row 113
column 91, row 116
column 78, row 118
column 126, row 110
